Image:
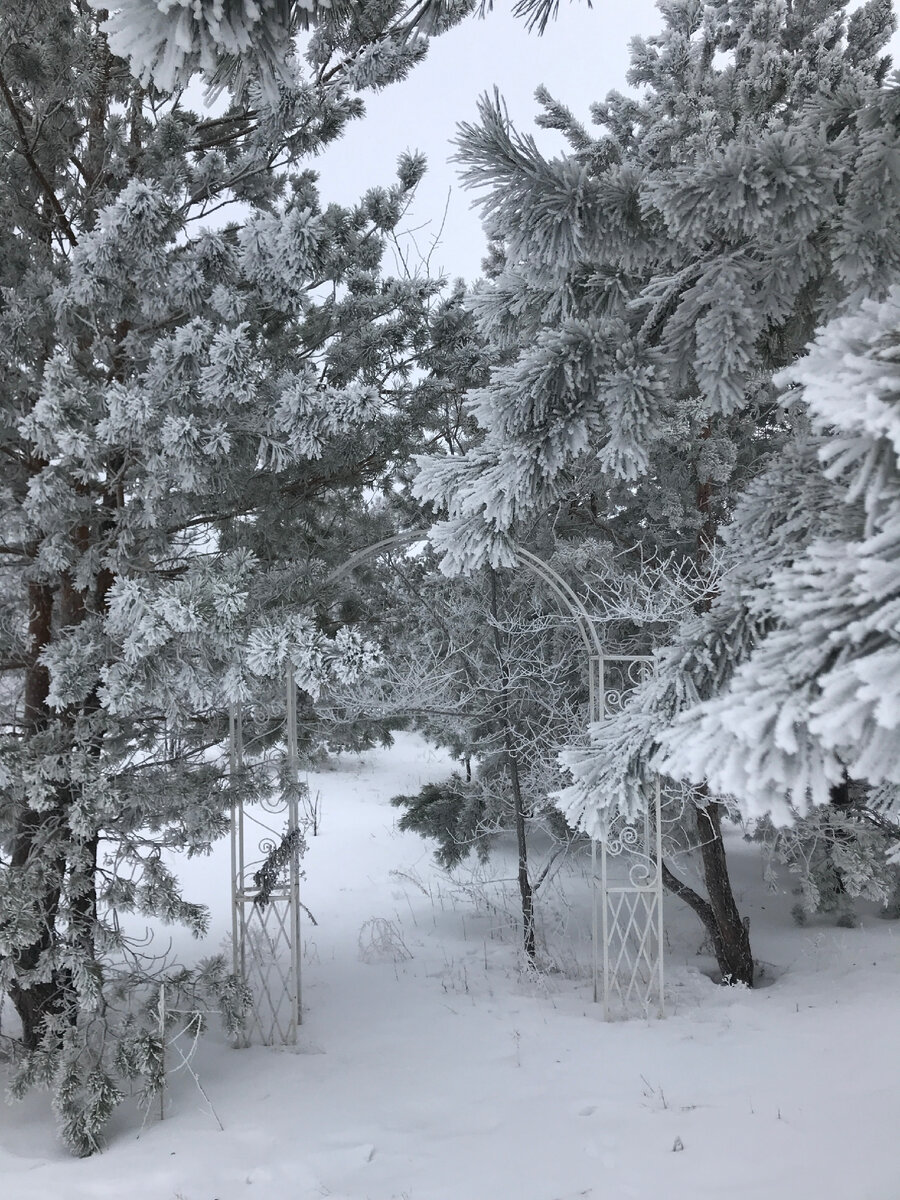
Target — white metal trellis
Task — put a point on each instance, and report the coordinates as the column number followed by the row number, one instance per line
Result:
column 627, row 918
column 627, row 894
column 266, row 921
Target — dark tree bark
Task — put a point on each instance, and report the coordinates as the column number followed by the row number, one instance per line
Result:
column 728, row 933
column 36, row 1001
column 53, row 607
column 732, row 938
column 526, row 891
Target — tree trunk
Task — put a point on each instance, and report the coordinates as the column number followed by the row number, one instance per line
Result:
column 732, row 940
column 37, row 1000
column 526, row 891
column 729, row 935
column 51, row 994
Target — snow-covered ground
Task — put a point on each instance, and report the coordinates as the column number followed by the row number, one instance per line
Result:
column 451, row 1075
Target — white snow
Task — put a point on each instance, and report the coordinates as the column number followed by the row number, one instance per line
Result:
column 451, row 1075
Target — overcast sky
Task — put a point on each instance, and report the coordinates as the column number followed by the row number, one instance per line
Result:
column 582, row 55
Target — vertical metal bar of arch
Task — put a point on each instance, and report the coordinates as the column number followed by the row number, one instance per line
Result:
column 604, row 900
column 595, row 963
column 295, row 1017
column 238, row 915
column 232, row 774
column 659, row 899
column 604, row 893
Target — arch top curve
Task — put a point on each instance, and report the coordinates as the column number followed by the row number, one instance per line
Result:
column 396, row 542
column 524, row 558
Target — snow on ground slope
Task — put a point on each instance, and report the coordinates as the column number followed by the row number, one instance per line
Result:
column 449, row 1075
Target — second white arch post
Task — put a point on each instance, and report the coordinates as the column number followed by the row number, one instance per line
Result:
column 627, row 891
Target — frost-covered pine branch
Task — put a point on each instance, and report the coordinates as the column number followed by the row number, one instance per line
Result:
column 817, row 696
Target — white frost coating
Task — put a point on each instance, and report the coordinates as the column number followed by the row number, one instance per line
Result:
column 820, row 694
column 167, row 41
column 315, row 658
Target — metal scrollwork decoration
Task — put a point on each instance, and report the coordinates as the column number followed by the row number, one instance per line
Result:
column 626, row 839
column 627, row 924
column 272, row 804
column 643, row 871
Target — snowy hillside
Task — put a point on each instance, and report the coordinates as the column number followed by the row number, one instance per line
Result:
column 440, row 1072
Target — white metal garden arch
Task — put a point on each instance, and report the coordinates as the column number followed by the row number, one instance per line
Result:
column 627, row 912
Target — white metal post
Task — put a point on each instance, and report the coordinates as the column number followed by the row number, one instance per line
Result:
column 659, row 898
column 631, row 927
column 293, row 784
column 595, row 964
column 238, row 915
column 604, row 901
column 595, row 711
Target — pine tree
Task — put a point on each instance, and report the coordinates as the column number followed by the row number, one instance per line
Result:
column 646, row 286
column 229, row 41
column 814, row 700
column 200, row 364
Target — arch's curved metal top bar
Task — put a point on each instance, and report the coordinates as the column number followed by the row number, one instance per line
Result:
column 396, row 542
column 525, row 558
column 555, row 581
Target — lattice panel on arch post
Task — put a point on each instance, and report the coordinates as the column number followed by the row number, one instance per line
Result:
column 632, row 965
column 268, row 970
column 627, row 922
column 266, row 914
